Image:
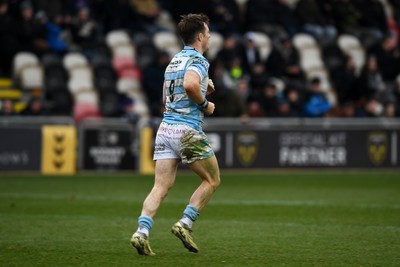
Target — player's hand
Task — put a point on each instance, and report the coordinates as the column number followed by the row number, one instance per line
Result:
column 210, row 108
column 210, row 87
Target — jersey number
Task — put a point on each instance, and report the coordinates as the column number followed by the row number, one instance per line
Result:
column 171, row 90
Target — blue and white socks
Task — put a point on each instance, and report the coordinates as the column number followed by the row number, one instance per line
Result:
column 190, row 215
column 145, row 224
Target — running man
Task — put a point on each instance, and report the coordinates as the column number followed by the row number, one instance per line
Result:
column 180, row 136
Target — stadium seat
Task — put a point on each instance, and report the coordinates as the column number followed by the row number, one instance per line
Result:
column 109, row 104
column 77, row 85
column 23, row 59
column 83, row 73
column 168, row 42
column 310, row 58
column 59, row 101
column 146, row 51
column 124, row 50
column 128, row 85
column 100, row 60
column 322, row 74
column 352, row 47
column 105, row 78
column 117, row 37
column 120, row 63
column 303, row 40
column 141, row 108
column 126, row 67
column 55, row 76
column 73, row 60
column 86, row 96
column 32, row 77
column 85, row 110
column 50, row 60
column 165, row 19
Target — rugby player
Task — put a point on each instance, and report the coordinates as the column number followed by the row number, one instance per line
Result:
column 180, row 136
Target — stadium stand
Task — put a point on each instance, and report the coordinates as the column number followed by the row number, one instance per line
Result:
column 108, row 45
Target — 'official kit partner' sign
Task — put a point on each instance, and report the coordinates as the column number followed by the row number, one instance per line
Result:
column 305, row 148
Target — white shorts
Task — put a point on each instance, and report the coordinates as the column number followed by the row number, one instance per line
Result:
column 177, row 141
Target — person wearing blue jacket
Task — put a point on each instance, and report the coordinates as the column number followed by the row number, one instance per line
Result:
column 316, row 104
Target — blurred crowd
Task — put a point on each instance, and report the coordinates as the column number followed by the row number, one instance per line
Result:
column 247, row 84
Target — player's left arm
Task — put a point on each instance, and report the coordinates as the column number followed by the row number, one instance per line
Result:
column 191, row 84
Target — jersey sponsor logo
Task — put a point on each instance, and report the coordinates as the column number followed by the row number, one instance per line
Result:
column 177, row 64
column 246, row 147
column 202, row 62
column 377, row 147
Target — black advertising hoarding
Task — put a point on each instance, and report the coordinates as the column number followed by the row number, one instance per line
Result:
column 306, row 148
column 107, row 149
column 20, row 149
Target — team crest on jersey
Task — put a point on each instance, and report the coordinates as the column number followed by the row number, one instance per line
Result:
column 246, row 147
column 377, row 147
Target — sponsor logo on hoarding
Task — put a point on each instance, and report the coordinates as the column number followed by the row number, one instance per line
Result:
column 246, row 147
column 377, row 147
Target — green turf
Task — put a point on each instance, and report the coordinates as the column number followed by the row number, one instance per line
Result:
column 255, row 219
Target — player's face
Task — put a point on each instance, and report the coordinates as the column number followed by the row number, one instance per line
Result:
column 206, row 38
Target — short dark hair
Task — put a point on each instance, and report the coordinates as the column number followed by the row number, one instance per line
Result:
column 191, row 25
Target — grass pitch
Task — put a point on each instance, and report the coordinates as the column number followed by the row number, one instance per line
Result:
column 257, row 219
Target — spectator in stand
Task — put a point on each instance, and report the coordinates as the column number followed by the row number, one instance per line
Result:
column 7, row 108
column 224, row 16
column 250, row 53
column 316, row 103
column 390, row 110
column 230, row 50
column 284, row 61
column 371, row 83
column 221, row 76
column 395, row 5
column 85, row 32
column 230, row 101
column 179, row 7
column 345, row 81
column 374, row 108
column 294, row 99
column 153, row 79
column 35, row 108
column 316, row 22
column 30, row 32
column 388, row 56
column 373, row 17
column 119, row 14
column 259, row 77
column 268, row 100
column 8, row 39
column 349, row 110
column 231, row 57
column 396, row 90
column 352, row 17
column 50, row 8
column 273, row 17
column 244, row 89
column 55, row 35
column 149, row 12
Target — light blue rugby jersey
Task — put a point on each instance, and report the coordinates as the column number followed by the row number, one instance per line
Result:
column 179, row 108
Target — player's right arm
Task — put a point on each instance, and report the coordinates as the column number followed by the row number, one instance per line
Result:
column 164, row 94
column 191, row 84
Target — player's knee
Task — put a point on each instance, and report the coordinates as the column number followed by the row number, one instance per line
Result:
column 215, row 182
